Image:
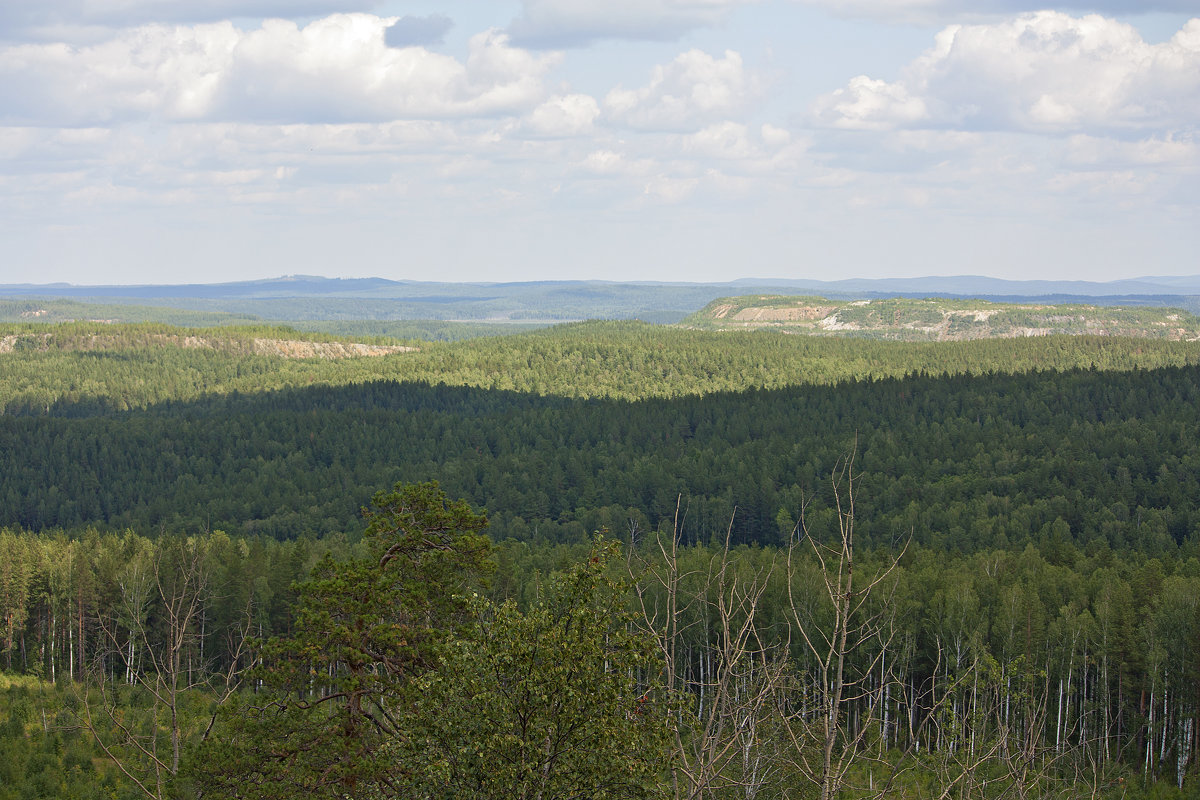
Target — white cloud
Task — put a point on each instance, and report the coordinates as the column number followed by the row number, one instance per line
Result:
column 608, row 162
column 1169, row 153
column 774, row 136
column 724, row 140
column 573, row 22
column 870, row 105
column 1042, row 72
column 668, row 189
column 640, row 179
column 693, row 89
column 280, row 169
column 565, row 115
column 334, row 69
column 725, row 164
column 746, row 158
column 323, row 145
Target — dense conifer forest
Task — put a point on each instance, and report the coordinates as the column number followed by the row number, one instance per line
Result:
column 781, row 567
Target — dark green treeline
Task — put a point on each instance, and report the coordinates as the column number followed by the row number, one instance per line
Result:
column 963, row 463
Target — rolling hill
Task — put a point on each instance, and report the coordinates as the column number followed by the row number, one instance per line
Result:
column 941, row 319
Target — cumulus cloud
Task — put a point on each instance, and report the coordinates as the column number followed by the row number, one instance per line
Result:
column 724, row 140
column 565, row 115
column 640, row 178
column 693, row 89
column 741, row 157
column 870, row 105
column 1174, row 153
column 561, row 23
column 338, row 68
column 608, row 162
column 1042, row 72
column 280, row 169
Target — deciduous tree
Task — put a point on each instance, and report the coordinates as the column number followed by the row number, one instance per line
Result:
column 560, row 701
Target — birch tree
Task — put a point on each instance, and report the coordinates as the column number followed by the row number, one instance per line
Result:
column 847, row 638
column 157, row 634
column 724, row 667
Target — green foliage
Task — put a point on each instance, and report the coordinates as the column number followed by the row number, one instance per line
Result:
column 42, row 755
column 559, row 701
column 363, row 630
column 89, row 369
column 1002, row 638
column 1051, row 487
column 392, row 684
column 962, row 462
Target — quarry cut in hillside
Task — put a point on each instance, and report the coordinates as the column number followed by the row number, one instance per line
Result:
column 941, row 319
column 283, row 348
column 300, row 349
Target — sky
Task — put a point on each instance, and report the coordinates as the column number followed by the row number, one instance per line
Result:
column 182, row 141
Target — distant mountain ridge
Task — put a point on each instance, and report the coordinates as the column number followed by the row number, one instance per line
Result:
column 307, row 297
column 287, row 286
column 973, row 285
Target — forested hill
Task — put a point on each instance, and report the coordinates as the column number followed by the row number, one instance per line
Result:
column 1078, row 458
column 940, row 319
column 1023, row 619
column 90, row 367
column 586, row 426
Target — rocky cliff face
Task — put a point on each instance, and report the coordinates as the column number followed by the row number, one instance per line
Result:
column 299, row 349
column 283, row 348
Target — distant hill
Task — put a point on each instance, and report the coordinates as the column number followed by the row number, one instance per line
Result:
column 332, row 299
column 982, row 286
column 940, row 319
column 302, row 298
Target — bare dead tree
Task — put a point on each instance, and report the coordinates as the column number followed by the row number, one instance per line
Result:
column 848, row 649
column 725, row 704
column 754, row 716
column 1012, row 757
column 172, row 582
